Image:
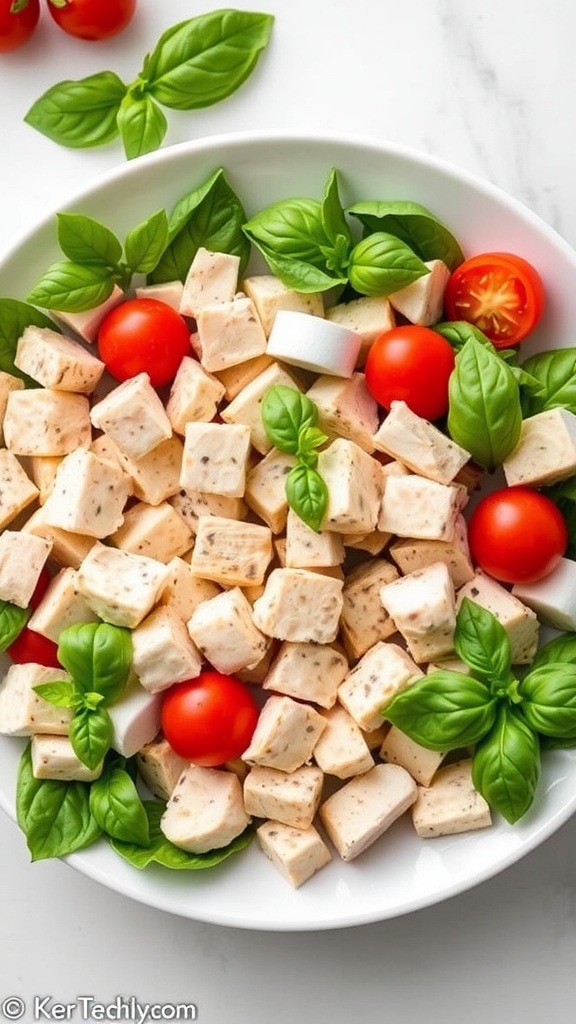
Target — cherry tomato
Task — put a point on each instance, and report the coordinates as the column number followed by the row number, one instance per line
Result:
column 143, row 336
column 17, row 23
column 411, row 364
column 210, row 719
column 32, row 646
column 500, row 293
column 93, row 19
column 517, row 535
column 44, row 580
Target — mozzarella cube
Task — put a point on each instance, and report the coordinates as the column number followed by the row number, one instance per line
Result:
column 230, row 552
column 43, row 422
column 307, row 671
column 153, row 530
column 364, row 619
column 307, row 548
column 205, row 811
column 24, row 712
column 422, row 605
column 60, row 607
column 422, row 301
column 342, row 750
column 297, row 853
column 450, row 804
column 135, row 719
column 290, row 797
column 194, row 395
column 215, row 458
column 224, row 632
column 519, row 621
column 120, row 587
column 285, row 735
column 354, row 481
column 229, row 333
column 356, row 815
column 546, row 450
column 246, row 408
column 410, row 555
column 419, row 445
column 398, row 748
column 163, row 652
column 367, row 316
column 269, row 295
column 22, row 559
column 415, row 507
column 160, row 767
column 299, row 605
column 265, row 491
column 133, row 416
column 385, row 670
column 88, row 496
column 552, row 599
column 56, row 361
column 53, row 757
column 211, row 278
column 346, row 408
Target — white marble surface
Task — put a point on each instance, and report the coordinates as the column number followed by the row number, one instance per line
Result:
column 490, row 86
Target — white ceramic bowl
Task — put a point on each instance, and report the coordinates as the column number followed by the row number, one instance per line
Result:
column 401, row 873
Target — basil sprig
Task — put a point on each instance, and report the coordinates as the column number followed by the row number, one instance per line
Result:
column 414, row 224
column 98, row 657
column 506, row 719
column 194, row 64
column 290, row 420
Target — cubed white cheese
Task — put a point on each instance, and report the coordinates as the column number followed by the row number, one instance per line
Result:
column 205, row 811
column 313, row 343
column 135, row 719
column 356, row 815
column 546, row 450
column 553, row 599
column 422, row 301
column 299, row 605
column 39, row 421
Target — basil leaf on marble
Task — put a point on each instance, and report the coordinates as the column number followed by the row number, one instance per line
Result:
column 80, row 114
column 142, row 125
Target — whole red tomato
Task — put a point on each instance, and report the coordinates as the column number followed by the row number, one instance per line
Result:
column 92, row 19
column 517, row 535
column 143, row 336
column 18, row 19
column 210, row 719
column 411, row 364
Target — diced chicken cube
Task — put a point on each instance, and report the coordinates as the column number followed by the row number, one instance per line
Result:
column 410, row 555
column 160, row 767
column 450, row 804
column 385, row 670
column 16, row 488
column 307, row 548
column 211, row 278
column 68, row 548
column 88, row 496
column 8, row 383
column 232, row 553
column 169, row 292
column 364, row 619
column 342, row 750
column 368, row 316
column 285, row 735
column 156, row 476
column 519, row 621
column 246, row 408
column 235, row 378
column 398, row 748
column 153, row 530
column 87, row 324
column 297, row 853
column 422, row 301
column 415, row 507
column 191, row 505
column 229, row 333
column 56, row 361
column 163, row 652
column 194, row 395
column 43, row 469
column 205, row 811
column 546, row 450
column 183, row 591
column 121, row 588
column 346, row 408
column 299, row 605
column 356, row 815
column 419, row 445
column 53, row 757
column 354, row 481
column 307, row 671
column 290, row 797
column 422, row 605
column 22, row 559
column 269, row 295
column 61, row 606
column 266, row 488
column 24, row 712
column 133, row 416
column 39, row 421
column 223, row 630
column 215, row 458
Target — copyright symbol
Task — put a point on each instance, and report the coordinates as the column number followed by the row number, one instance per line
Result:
column 13, row 1008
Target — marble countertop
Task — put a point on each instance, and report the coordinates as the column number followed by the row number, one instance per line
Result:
column 488, row 86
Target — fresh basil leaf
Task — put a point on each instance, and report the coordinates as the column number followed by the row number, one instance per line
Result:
column 381, row 264
column 72, row 287
column 562, row 649
column 117, row 807
column 98, row 656
column 210, row 216
column 203, row 60
column 307, row 495
column 335, row 224
column 485, row 415
column 85, row 240
column 506, row 765
column 12, row 622
column 549, row 699
column 54, row 816
column 161, row 851
column 61, row 693
column 286, row 413
column 555, row 370
column 310, row 438
column 293, row 229
column 90, row 734
column 457, row 332
column 15, row 316
column 144, row 244
column 443, row 710
column 297, row 274
column 568, row 509
column 79, row 114
column 414, row 224
column 142, row 125
column 481, row 641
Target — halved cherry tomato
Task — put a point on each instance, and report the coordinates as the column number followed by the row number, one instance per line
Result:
column 32, row 646
column 143, row 336
column 210, row 719
column 517, row 535
column 500, row 293
column 17, row 23
column 92, row 19
column 411, row 364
